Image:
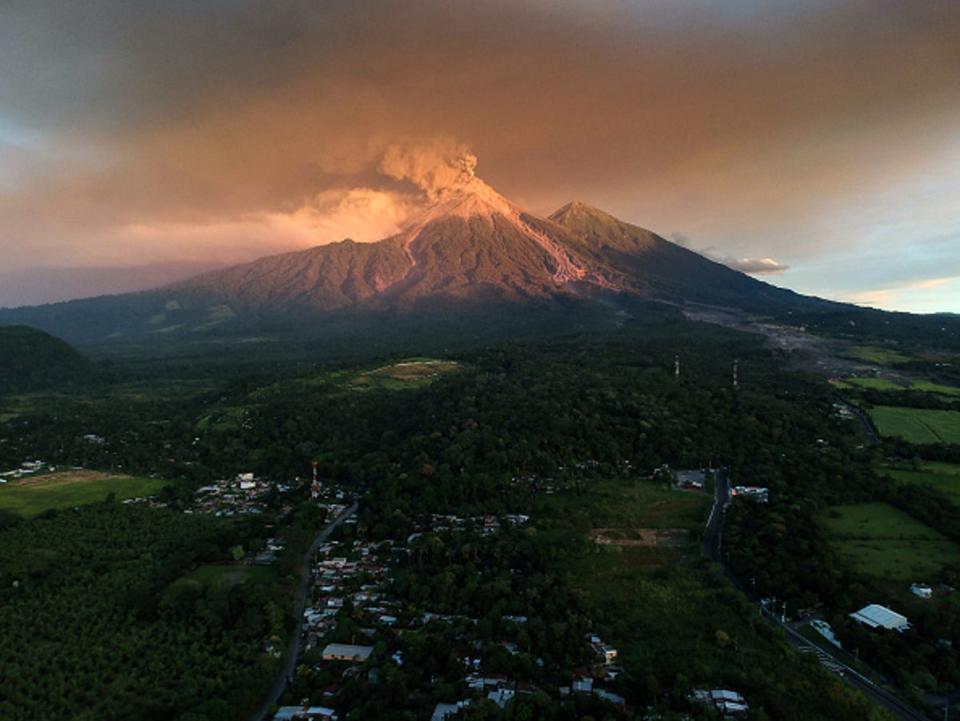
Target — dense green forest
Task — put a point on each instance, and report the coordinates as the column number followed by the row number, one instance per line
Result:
column 100, row 619
column 533, row 428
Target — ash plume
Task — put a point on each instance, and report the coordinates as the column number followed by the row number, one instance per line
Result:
column 432, row 166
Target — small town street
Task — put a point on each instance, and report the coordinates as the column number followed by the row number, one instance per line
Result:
column 293, row 648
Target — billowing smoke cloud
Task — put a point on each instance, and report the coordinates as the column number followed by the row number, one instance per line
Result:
column 361, row 214
column 432, row 166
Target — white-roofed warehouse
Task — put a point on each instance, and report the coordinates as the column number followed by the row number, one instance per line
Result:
column 877, row 616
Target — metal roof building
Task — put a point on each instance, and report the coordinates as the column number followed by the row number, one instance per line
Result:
column 877, row 616
column 346, row 652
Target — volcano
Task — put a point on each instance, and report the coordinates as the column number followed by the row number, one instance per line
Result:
column 469, row 248
column 471, row 243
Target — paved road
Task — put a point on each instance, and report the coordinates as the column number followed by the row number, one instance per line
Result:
column 711, row 548
column 868, row 429
column 293, row 649
column 713, row 536
column 890, row 701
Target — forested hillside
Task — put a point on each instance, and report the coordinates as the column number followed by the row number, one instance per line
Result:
column 31, row 359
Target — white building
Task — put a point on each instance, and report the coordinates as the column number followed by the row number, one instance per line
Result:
column 759, row 494
column 347, row 652
column 691, row 479
column 610, row 697
column 501, row 697
column 825, row 630
column 877, row 616
column 609, row 654
column 582, row 684
column 921, row 590
column 305, row 713
column 445, row 710
column 726, row 701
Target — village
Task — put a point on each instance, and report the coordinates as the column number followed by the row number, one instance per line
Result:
column 352, row 581
column 351, row 586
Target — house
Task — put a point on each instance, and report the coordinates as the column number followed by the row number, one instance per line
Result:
column 921, row 590
column 501, row 697
column 754, row 493
column 482, row 683
column 582, row 684
column 610, row 697
column 347, row 652
column 445, row 710
column 693, row 480
column 726, row 701
column 320, row 712
column 825, row 630
column 877, row 616
column 305, row 713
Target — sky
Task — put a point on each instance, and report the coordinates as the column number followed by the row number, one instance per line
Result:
column 815, row 144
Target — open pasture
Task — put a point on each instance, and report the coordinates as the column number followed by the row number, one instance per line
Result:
column 942, row 477
column 66, row 489
column 917, row 425
column 879, row 540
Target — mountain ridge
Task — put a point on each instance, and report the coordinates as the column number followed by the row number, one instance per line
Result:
column 469, row 247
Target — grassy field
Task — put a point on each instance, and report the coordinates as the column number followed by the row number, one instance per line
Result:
column 931, row 387
column 408, row 374
column 884, row 384
column 917, row 425
column 880, row 540
column 877, row 384
column 943, row 477
column 629, row 505
column 30, row 496
column 413, row 373
column 880, row 356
